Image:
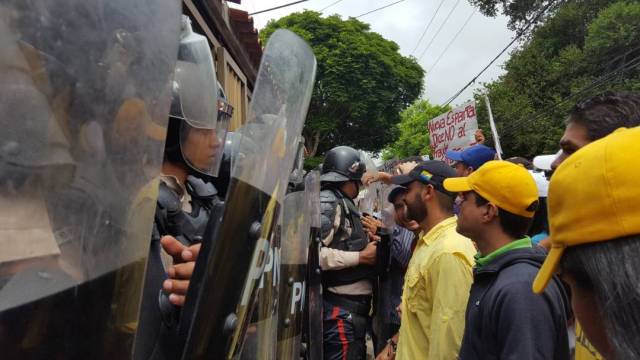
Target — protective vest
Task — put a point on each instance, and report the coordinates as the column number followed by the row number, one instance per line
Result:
column 330, row 199
column 157, row 337
column 188, row 228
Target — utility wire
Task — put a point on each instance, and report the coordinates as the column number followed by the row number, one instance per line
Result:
column 330, row 5
column 439, row 29
column 277, row 7
column 512, row 127
column 608, row 77
column 516, row 38
column 428, row 26
column 452, row 40
column 380, row 8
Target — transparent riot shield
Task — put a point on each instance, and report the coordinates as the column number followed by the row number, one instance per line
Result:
column 260, row 336
column 228, row 271
column 299, row 210
column 84, row 103
column 368, row 197
column 265, row 320
column 313, row 314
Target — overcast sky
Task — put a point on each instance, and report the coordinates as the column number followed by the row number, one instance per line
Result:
column 478, row 43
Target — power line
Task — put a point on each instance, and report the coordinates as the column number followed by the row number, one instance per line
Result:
column 439, row 29
column 428, row 26
column 380, row 8
column 606, row 78
column 277, row 7
column 330, row 5
column 516, row 38
column 512, row 127
column 452, row 40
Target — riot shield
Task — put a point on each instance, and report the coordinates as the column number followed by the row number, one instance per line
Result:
column 368, row 197
column 266, row 318
column 313, row 315
column 229, row 267
column 84, row 89
column 260, row 336
column 299, row 209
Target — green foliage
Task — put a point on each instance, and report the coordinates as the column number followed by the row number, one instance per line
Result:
column 413, row 138
column 311, row 163
column 557, row 67
column 363, row 82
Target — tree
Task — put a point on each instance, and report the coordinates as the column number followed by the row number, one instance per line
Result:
column 362, row 82
column 586, row 47
column 413, row 138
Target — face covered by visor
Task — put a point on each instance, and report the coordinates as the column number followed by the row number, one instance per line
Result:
column 196, row 103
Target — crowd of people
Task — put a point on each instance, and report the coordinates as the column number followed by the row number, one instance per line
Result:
column 498, row 259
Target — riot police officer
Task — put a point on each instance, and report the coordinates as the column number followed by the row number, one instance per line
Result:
column 347, row 257
column 198, row 121
column 66, row 178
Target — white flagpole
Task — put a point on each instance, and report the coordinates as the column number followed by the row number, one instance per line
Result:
column 496, row 138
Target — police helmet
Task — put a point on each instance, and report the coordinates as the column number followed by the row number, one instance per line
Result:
column 341, row 164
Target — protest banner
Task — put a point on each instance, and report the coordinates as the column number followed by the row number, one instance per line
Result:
column 454, row 130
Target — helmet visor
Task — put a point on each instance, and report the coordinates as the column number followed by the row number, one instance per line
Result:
column 195, row 89
column 202, row 148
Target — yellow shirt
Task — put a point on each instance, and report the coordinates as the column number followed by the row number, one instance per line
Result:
column 436, row 290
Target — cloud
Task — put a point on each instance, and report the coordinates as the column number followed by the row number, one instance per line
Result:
column 480, row 41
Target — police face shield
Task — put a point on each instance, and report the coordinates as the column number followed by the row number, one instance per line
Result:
column 195, row 102
column 368, row 194
column 265, row 156
column 75, row 219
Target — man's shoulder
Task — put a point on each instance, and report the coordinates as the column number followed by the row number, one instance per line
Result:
column 328, row 196
column 451, row 242
column 514, row 279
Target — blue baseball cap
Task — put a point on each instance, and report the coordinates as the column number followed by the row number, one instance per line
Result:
column 474, row 156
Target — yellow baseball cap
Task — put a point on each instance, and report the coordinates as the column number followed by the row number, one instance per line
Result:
column 593, row 196
column 506, row 185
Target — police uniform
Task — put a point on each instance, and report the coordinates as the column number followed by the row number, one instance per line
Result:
column 182, row 210
column 347, row 285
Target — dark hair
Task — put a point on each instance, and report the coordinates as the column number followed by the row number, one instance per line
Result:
column 519, row 160
column 513, row 225
column 611, row 271
column 540, row 220
column 604, row 113
column 446, row 201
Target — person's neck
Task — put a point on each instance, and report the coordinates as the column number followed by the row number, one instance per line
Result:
column 177, row 170
column 434, row 217
column 491, row 241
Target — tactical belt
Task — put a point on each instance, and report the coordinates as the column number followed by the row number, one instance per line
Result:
column 357, row 304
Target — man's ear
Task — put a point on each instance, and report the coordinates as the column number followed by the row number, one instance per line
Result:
column 468, row 170
column 427, row 192
column 490, row 213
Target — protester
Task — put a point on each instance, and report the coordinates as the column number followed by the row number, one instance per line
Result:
column 595, row 226
column 595, row 118
column 539, row 229
column 439, row 274
column 504, row 319
column 519, row 160
column 471, row 158
column 386, row 322
column 588, row 121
